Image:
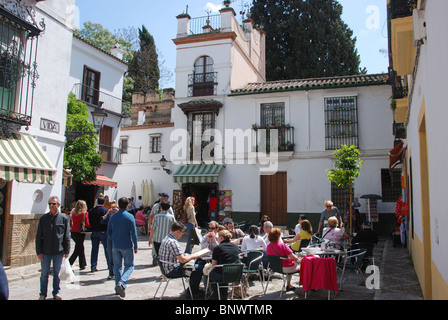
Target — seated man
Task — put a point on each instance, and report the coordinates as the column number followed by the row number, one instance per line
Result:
column 171, row 252
column 366, row 239
column 237, row 234
column 210, row 241
column 366, row 235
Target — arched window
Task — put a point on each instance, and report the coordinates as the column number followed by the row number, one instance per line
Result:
column 203, row 81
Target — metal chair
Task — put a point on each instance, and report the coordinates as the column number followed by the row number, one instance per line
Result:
column 369, row 247
column 254, row 266
column 231, row 278
column 167, row 279
column 353, row 261
column 275, row 265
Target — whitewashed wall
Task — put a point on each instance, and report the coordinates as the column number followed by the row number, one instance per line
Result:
column 430, row 90
column 50, row 99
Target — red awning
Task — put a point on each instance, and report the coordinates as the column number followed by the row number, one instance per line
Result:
column 396, row 155
column 103, row 181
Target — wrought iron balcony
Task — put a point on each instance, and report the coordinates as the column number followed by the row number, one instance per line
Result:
column 400, row 87
column 18, row 70
column 401, row 8
column 202, row 84
column 96, row 98
column 286, row 140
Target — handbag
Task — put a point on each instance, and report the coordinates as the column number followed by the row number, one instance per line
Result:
column 85, row 226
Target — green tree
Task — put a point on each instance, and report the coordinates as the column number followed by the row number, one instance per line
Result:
column 80, row 154
column 144, row 68
column 347, row 168
column 306, row 39
column 97, row 35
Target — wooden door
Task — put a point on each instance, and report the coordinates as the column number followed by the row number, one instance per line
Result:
column 274, row 200
column 106, row 143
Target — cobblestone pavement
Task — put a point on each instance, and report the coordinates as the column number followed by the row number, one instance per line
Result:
column 397, row 281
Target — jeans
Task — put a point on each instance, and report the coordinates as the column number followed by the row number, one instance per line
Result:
column 45, row 266
column 120, row 257
column 96, row 238
column 196, row 275
column 190, row 228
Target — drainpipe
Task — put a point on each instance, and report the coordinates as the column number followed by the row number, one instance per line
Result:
column 309, row 121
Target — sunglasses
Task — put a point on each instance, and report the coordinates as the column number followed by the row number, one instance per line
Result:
column 53, row 203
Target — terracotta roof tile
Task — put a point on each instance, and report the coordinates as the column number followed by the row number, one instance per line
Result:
column 314, row 83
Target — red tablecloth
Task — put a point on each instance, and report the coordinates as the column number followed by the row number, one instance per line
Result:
column 318, row 273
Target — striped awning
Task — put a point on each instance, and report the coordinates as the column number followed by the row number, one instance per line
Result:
column 201, row 173
column 22, row 159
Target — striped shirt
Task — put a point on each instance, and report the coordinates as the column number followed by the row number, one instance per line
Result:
column 161, row 226
column 169, row 250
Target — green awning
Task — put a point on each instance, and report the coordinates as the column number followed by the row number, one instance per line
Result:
column 23, row 159
column 201, row 173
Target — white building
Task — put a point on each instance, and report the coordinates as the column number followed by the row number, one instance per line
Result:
column 36, row 36
column 96, row 78
column 220, row 85
column 418, row 50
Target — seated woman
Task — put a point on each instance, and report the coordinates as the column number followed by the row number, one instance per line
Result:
column 140, row 221
column 280, row 249
column 304, row 234
column 252, row 242
column 333, row 233
column 226, row 252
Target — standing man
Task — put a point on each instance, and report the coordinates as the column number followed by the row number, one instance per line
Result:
column 156, row 209
column 160, row 227
column 96, row 215
column 121, row 229
column 329, row 211
column 52, row 244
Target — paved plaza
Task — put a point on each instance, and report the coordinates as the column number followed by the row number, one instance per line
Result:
column 397, row 280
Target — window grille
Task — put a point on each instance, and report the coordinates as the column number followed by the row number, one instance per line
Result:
column 18, row 71
column 341, row 122
column 391, row 184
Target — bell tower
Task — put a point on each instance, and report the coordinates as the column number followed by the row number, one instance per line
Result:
column 215, row 54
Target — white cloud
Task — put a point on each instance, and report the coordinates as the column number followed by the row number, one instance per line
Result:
column 213, row 7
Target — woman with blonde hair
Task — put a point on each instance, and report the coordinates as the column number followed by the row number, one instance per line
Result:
column 191, row 221
column 77, row 217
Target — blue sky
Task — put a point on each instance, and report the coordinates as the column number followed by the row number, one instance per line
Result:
column 367, row 19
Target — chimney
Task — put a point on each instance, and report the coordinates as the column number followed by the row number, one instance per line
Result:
column 117, row 51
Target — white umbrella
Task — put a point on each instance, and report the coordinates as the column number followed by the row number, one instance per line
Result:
column 133, row 191
column 144, row 194
column 149, row 192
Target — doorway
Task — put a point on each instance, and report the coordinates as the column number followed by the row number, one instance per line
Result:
column 201, row 192
column 274, row 198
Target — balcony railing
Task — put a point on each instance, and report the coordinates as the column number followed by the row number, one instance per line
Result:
column 401, row 8
column 202, row 84
column 97, row 98
column 18, row 71
column 110, row 154
column 197, row 24
column 286, row 141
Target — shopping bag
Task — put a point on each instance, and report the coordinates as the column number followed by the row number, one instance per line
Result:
column 66, row 273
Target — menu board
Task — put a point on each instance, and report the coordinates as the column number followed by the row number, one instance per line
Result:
column 224, row 203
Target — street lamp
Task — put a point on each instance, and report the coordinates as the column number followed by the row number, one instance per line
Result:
column 163, row 163
column 98, row 116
